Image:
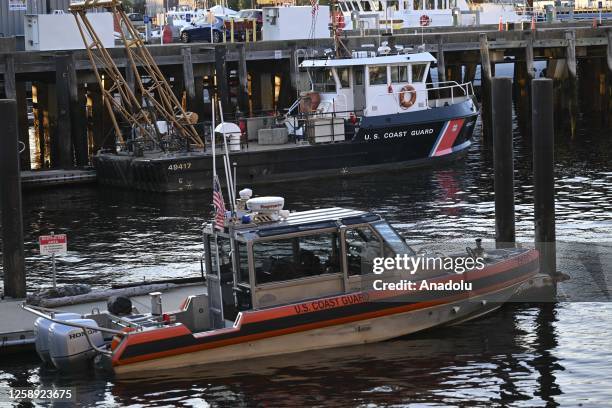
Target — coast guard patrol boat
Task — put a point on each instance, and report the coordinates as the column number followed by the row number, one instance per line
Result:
column 278, row 282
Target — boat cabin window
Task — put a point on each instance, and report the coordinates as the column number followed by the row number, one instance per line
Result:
column 393, row 240
column 243, row 262
column 399, row 74
column 417, row 5
column 296, row 258
column 418, row 72
column 224, row 251
column 378, row 74
column 343, row 76
column 362, row 246
column 430, row 4
column 322, row 80
column 366, row 6
column 441, row 4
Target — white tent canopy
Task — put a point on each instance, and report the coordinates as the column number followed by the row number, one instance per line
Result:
column 220, row 11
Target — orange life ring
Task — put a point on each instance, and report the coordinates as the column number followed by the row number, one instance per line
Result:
column 403, row 100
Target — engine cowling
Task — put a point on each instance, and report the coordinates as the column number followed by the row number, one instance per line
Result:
column 68, row 346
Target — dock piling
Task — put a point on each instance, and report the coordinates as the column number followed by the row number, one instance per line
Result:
column 10, row 87
column 63, row 131
column 188, row 78
column 441, row 64
column 543, row 174
column 10, row 201
column 486, row 75
column 570, row 52
column 503, row 161
column 243, row 78
column 221, row 76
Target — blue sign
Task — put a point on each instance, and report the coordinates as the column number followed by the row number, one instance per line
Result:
column 146, row 19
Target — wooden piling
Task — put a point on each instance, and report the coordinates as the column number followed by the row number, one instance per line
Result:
column 10, row 201
column 440, row 58
column 543, row 174
column 529, row 55
column 188, row 78
column 10, row 87
column 486, row 75
column 608, row 96
column 570, row 52
column 78, row 126
column 63, row 130
column 609, row 51
column 23, row 125
column 243, row 97
column 130, row 77
column 503, row 161
column 221, row 77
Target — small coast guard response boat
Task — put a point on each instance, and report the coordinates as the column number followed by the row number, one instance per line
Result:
column 280, row 282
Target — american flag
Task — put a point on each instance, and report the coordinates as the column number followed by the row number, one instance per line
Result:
column 219, row 204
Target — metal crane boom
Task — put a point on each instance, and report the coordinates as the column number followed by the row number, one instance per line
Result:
column 158, row 101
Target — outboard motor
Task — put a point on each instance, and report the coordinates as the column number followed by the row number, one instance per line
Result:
column 68, row 346
column 41, row 333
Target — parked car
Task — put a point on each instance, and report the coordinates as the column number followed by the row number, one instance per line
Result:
column 136, row 19
column 200, row 30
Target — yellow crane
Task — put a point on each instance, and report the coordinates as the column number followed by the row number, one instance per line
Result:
column 158, row 102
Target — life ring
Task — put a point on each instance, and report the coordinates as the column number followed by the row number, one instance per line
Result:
column 405, row 102
column 425, row 20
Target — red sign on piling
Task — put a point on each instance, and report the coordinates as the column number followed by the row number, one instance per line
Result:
column 53, row 244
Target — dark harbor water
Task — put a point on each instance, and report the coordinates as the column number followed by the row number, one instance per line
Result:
column 523, row 355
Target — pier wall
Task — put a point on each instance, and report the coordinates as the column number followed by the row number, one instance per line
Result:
column 70, row 122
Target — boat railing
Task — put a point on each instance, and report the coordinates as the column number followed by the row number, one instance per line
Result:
column 445, row 90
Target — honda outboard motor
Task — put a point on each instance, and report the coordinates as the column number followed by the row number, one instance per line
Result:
column 41, row 333
column 68, row 346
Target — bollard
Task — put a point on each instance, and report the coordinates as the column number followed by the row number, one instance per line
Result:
column 10, row 203
column 543, row 173
column 503, row 162
column 254, row 30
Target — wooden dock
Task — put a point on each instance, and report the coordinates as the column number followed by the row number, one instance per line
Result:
column 16, row 329
column 45, row 178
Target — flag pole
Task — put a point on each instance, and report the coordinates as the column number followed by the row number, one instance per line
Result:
column 214, row 164
column 226, row 161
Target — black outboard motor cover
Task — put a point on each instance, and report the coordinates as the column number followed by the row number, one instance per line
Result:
column 119, row 305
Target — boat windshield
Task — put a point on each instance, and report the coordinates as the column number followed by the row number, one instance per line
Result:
column 322, row 80
column 393, row 239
